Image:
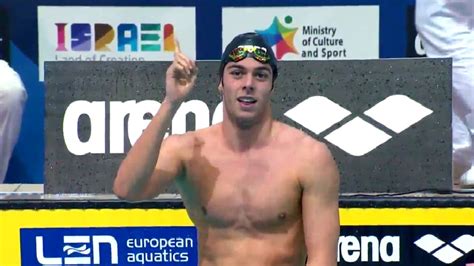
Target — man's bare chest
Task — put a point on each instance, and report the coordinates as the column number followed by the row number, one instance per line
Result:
column 241, row 192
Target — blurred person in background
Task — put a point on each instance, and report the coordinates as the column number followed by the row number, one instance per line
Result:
column 446, row 30
column 12, row 101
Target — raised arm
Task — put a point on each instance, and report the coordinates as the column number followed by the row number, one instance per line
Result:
column 320, row 206
column 151, row 164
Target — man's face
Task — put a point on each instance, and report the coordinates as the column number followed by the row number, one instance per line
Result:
column 246, row 87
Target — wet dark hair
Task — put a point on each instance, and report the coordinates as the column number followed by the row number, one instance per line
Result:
column 249, row 38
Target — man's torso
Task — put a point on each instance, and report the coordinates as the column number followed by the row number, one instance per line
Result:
column 247, row 205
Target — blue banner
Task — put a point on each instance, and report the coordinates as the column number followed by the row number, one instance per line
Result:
column 109, row 246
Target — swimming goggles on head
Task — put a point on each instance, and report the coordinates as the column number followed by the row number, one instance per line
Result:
column 257, row 52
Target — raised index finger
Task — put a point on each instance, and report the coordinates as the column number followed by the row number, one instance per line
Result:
column 177, row 49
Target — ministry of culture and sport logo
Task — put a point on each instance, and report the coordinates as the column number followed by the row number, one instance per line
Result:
column 280, row 36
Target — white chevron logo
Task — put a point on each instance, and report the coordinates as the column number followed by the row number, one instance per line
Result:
column 446, row 252
column 358, row 137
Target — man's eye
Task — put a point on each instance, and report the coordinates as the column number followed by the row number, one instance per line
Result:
column 262, row 75
column 236, row 73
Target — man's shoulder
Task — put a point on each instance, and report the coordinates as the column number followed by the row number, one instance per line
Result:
column 190, row 139
column 294, row 136
column 305, row 146
column 312, row 158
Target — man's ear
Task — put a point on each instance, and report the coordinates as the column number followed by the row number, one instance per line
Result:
column 220, row 88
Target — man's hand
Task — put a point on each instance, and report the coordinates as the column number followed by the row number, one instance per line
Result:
column 180, row 76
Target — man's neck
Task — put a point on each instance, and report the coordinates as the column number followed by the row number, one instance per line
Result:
column 243, row 139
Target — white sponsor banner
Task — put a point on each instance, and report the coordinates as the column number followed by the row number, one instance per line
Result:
column 84, row 33
column 309, row 33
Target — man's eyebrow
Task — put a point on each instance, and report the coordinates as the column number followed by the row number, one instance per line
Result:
column 260, row 68
column 236, row 66
column 267, row 68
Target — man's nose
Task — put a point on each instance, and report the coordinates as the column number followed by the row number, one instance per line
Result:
column 249, row 83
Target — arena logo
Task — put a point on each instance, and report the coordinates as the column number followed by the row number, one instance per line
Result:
column 136, row 112
column 446, row 252
column 102, row 37
column 357, row 137
column 80, row 245
column 358, row 249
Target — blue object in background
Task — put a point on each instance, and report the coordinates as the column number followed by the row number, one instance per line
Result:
column 174, row 245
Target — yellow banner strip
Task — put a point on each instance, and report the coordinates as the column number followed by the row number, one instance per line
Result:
column 11, row 221
column 407, row 216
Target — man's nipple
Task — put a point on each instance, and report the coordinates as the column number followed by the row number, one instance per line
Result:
column 282, row 216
